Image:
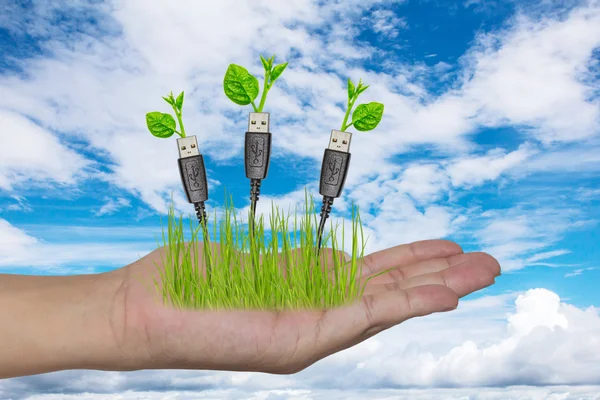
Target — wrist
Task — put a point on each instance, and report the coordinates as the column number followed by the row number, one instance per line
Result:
column 61, row 322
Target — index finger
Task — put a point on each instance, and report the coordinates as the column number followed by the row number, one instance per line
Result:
column 406, row 254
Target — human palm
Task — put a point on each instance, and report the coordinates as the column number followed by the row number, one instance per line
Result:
column 423, row 278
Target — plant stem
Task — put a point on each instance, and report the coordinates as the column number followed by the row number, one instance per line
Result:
column 254, row 106
column 178, row 114
column 350, row 105
column 264, row 93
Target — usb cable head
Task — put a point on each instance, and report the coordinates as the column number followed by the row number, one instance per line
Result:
column 340, row 141
column 336, row 161
column 258, row 123
column 188, row 147
column 193, row 173
column 257, row 155
column 334, row 169
column 257, row 147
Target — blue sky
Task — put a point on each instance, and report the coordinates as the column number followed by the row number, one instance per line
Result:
column 490, row 137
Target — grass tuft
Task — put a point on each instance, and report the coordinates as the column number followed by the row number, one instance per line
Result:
column 275, row 268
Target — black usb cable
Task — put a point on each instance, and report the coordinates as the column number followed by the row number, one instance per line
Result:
column 257, row 155
column 193, row 175
column 334, row 170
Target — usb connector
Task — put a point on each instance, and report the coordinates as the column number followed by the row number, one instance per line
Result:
column 340, row 141
column 258, row 122
column 188, row 147
column 335, row 164
column 193, row 174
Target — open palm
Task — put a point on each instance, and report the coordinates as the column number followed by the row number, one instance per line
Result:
column 425, row 277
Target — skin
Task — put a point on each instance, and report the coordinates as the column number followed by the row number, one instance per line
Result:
column 111, row 321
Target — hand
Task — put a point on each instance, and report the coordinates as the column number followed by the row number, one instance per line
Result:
column 427, row 277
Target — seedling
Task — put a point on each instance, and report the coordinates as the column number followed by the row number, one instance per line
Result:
column 191, row 161
column 367, row 116
column 242, row 88
column 163, row 125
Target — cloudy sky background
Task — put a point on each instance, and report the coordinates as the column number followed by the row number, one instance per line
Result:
column 490, row 137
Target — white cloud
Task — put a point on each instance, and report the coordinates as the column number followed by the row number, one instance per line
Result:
column 424, row 183
column 525, row 234
column 473, row 171
column 28, row 152
column 482, row 346
column 387, row 23
column 535, row 74
column 13, row 237
column 20, row 249
column 415, row 203
column 112, row 205
column 21, row 204
column 577, row 272
column 547, row 254
column 584, row 392
column 581, row 158
column 101, row 88
column 398, row 220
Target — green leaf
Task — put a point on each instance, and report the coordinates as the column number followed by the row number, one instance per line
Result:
column 277, row 71
column 271, row 60
column 265, row 64
column 351, row 89
column 179, row 101
column 160, row 125
column 367, row 116
column 239, row 85
column 361, row 89
column 168, row 100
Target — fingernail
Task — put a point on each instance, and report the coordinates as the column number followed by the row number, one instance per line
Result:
column 347, row 256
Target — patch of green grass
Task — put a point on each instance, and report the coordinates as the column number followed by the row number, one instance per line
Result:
column 275, row 268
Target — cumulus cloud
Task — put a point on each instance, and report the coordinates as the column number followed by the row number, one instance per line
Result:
column 99, row 82
column 30, row 153
column 538, row 342
column 534, row 74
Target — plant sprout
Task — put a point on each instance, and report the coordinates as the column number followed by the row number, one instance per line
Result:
column 242, row 88
column 163, row 125
column 366, row 116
